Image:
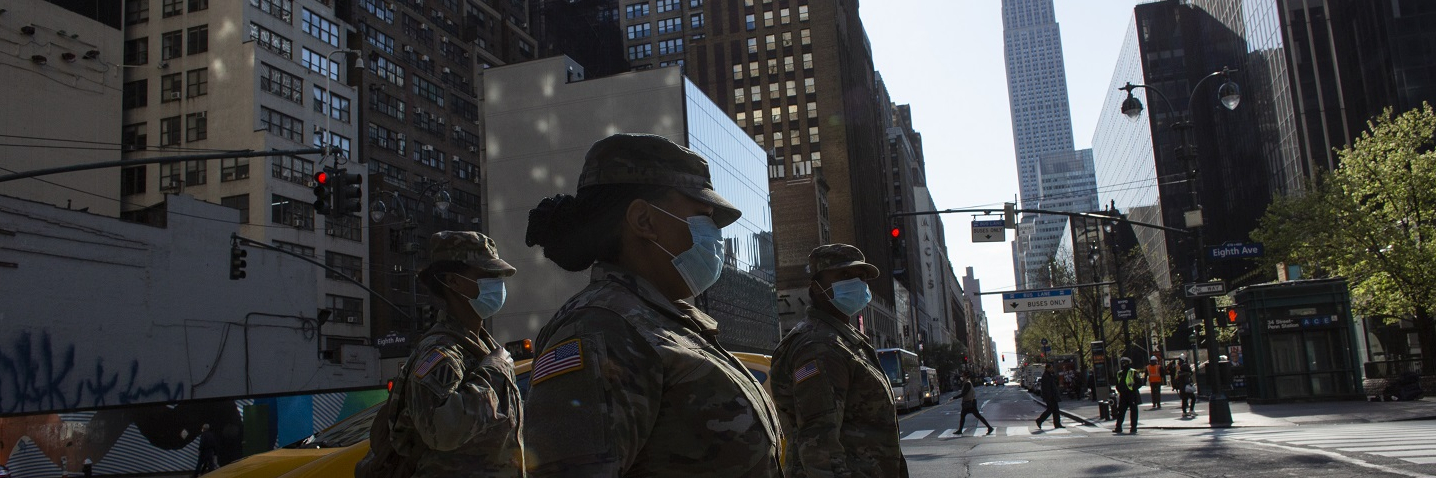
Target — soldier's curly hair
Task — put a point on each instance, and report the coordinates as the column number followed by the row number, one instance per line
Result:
column 577, row 231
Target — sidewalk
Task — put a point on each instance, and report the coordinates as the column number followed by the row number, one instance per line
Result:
column 1248, row 415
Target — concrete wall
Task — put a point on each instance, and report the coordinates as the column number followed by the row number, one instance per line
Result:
column 76, row 103
column 100, row 313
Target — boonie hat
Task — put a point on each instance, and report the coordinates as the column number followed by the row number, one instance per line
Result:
column 637, row 158
column 829, row 257
column 468, row 247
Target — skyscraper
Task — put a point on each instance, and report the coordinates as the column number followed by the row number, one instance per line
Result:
column 1051, row 175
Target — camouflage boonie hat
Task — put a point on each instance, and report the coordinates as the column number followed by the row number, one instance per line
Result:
column 636, row 158
column 839, row 256
column 468, row 247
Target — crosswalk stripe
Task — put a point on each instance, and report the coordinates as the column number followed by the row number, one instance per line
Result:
column 1018, row 431
column 1093, row 429
column 918, row 435
column 1409, row 442
column 1426, row 446
column 1427, row 460
column 948, row 434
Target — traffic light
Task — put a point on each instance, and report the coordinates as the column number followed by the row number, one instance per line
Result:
column 520, row 349
column 348, row 193
column 896, row 232
column 236, row 262
column 1234, row 315
column 321, row 192
column 1009, row 215
column 964, row 359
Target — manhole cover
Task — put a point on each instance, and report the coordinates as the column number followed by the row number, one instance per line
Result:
column 1003, row 463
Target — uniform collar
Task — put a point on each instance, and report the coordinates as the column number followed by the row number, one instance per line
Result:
column 481, row 338
column 844, row 328
column 680, row 311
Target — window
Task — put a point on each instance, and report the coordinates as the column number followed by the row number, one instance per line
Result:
column 749, row 21
column 466, row 171
column 170, row 86
column 271, row 41
column 637, row 31
column 319, row 27
column 137, row 11
column 788, row 64
column 344, row 227
column 338, row 105
column 198, row 39
column 741, row 118
column 637, row 10
column 773, row 91
column 340, row 143
column 791, row 87
column 136, row 94
column 171, row 44
column 636, row 52
column 755, row 93
column 233, row 169
column 197, row 5
column 807, row 61
column 695, row 3
column 787, row 39
column 426, row 155
column 137, row 51
column 738, row 72
column 348, row 310
column 808, row 86
column 429, row 90
column 197, row 82
column 380, row 9
column 667, row 5
column 669, row 47
column 771, row 41
column 352, row 266
column 317, row 63
column 292, row 169
column 240, row 202
column 133, row 137
column 739, row 95
column 292, row 212
column 670, row 25
column 812, row 135
column 767, row 19
column 753, row 69
column 379, row 40
column 295, row 248
column 812, row 110
column 387, row 70
column 772, row 66
column 389, row 173
column 280, row 124
column 194, row 173
column 752, row 45
column 281, row 9
column 170, row 131
column 386, row 139
column 783, row 16
column 696, row 20
column 802, row 13
column 387, row 104
column 169, row 176
column 132, row 180
column 793, row 114
column 196, row 127
column 282, row 84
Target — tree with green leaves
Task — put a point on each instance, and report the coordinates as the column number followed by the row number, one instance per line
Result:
column 1372, row 221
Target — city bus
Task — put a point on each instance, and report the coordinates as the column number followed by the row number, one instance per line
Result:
column 931, row 390
column 901, row 367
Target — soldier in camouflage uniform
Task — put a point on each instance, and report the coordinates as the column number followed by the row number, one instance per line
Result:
column 461, row 413
column 835, row 403
column 630, row 379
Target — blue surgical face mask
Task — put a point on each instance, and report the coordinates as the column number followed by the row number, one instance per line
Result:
column 492, row 294
column 849, row 296
column 701, row 265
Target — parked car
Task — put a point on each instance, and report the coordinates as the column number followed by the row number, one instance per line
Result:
column 334, row 451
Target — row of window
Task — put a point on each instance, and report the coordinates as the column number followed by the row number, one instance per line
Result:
column 172, row 45
column 138, row 11
column 753, row 70
column 195, row 128
column 665, row 47
column 775, row 115
column 190, row 84
column 805, row 37
column 640, row 10
column 783, row 15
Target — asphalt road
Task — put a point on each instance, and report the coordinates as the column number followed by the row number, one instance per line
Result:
column 1018, row 449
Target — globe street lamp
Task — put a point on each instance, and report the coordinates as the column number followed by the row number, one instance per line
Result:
column 379, row 209
column 1229, row 95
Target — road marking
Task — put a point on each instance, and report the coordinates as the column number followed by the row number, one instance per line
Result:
column 918, row 435
column 949, row 434
column 1018, row 431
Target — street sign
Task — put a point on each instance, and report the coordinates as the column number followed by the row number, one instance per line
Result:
column 989, row 231
column 1056, row 299
column 1124, row 308
column 1235, row 250
column 1205, row 289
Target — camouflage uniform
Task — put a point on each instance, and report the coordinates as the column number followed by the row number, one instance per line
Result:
column 651, row 393
column 835, row 402
column 462, row 413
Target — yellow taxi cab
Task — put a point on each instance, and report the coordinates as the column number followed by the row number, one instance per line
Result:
column 334, row 451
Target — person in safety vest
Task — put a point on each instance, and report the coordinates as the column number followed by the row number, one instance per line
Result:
column 1128, row 398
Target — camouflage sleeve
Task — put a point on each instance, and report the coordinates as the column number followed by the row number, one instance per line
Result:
column 820, row 389
column 449, row 407
column 594, row 396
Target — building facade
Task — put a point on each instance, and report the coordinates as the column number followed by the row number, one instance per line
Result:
column 540, row 126
column 207, row 76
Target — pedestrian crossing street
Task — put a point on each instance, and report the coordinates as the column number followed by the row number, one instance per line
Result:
column 1414, row 442
column 1028, row 431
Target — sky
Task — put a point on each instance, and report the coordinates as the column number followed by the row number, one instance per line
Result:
column 944, row 57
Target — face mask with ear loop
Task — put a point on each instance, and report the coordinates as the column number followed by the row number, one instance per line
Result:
column 849, row 296
column 492, row 294
column 701, row 265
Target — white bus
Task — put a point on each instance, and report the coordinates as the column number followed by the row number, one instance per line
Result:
column 902, row 370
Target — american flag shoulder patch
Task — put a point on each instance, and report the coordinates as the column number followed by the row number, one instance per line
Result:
column 807, row 371
column 428, row 363
column 558, row 360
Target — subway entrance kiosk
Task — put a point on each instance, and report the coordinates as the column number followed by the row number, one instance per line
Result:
column 1301, row 342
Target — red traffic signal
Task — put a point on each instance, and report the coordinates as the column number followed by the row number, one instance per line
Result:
column 896, row 232
column 321, row 177
column 1232, row 316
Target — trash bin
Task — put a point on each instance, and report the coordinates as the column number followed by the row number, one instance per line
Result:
column 1104, row 409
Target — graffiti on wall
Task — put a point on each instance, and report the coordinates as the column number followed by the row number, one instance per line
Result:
column 37, row 374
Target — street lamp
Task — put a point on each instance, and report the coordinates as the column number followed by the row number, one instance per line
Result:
column 1229, row 94
column 328, row 99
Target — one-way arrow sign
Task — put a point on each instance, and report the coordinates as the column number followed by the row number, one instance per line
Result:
column 1205, row 289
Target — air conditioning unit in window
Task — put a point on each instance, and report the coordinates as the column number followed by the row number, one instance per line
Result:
column 174, row 95
column 201, row 114
column 444, row 39
column 418, row 110
column 458, row 129
column 447, row 70
column 351, row 319
column 427, row 148
column 408, row 49
column 424, row 58
column 440, row 120
column 473, row 149
column 400, row 136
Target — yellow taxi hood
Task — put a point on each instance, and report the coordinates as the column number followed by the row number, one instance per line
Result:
column 274, row 463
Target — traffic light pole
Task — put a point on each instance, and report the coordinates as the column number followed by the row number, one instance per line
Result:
column 161, row 160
